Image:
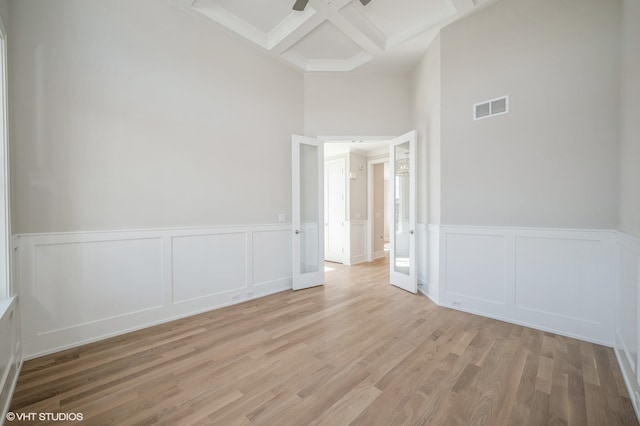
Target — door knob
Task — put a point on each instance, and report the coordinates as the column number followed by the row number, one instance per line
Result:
column 411, row 231
column 297, row 231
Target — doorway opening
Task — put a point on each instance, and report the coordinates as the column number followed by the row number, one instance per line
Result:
column 356, row 199
column 339, row 180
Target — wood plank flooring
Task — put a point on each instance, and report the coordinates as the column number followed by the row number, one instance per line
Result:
column 356, row 351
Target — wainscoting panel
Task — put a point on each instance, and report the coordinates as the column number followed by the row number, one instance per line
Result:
column 554, row 280
column 84, row 282
column 10, row 359
column 358, row 241
column 483, row 276
column 422, row 255
column 271, row 254
column 568, row 269
column 206, row 265
column 431, row 288
column 81, row 287
column 627, row 321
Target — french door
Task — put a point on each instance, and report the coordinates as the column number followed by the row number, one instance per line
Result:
column 307, row 216
column 403, row 272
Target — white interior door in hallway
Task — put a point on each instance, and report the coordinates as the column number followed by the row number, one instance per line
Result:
column 335, row 208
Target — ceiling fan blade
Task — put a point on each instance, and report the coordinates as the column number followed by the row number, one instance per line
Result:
column 365, row 2
column 300, row 5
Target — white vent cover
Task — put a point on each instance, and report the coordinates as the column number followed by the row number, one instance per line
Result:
column 490, row 108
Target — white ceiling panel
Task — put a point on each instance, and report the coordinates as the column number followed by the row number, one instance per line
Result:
column 326, row 42
column 394, row 17
column 338, row 35
column 262, row 14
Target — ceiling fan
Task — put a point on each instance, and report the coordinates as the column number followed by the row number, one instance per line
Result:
column 301, row 4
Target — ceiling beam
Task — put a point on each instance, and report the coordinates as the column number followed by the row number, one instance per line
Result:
column 463, row 6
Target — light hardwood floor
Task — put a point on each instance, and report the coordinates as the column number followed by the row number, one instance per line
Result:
column 356, row 351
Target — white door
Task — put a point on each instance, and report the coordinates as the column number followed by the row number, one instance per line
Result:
column 307, row 165
column 334, row 210
column 403, row 188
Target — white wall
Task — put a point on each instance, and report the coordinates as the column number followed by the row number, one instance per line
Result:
column 426, row 106
column 521, row 190
column 425, row 91
column 379, row 213
column 629, row 123
column 628, row 252
column 5, row 12
column 10, row 339
column 357, row 219
column 141, row 114
column 357, row 187
column 552, row 160
column 338, row 104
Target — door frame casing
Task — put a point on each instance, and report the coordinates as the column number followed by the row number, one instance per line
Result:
column 370, row 208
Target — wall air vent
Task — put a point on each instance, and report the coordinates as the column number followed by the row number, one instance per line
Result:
column 491, row 107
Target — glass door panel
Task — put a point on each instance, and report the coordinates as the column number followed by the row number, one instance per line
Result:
column 401, row 260
column 403, row 271
column 307, row 212
column 309, row 220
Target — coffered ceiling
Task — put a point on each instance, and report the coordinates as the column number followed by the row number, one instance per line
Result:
column 337, row 35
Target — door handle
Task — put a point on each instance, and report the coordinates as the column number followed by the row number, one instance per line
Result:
column 411, row 231
column 297, row 231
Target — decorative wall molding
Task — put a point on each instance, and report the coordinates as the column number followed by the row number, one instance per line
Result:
column 627, row 312
column 430, row 261
column 558, row 280
column 361, row 33
column 357, row 241
column 10, row 355
column 81, row 287
column 422, row 253
column 579, row 283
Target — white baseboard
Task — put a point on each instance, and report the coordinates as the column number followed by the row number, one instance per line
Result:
column 379, row 254
column 358, row 259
